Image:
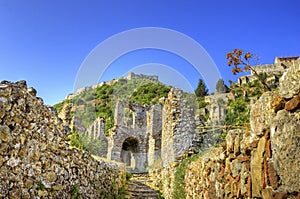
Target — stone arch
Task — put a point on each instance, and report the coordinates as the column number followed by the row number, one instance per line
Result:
column 129, row 152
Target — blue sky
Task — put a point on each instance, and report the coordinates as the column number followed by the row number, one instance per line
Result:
column 46, row 42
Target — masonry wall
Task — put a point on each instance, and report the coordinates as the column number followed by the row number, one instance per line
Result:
column 36, row 160
column 178, row 130
column 263, row 162
column 133, row 127
column 269, row 68
column 154, row 131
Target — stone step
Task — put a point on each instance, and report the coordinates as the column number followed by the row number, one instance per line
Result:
column 137, row 188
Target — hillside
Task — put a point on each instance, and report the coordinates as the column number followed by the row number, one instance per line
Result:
column 101, row 99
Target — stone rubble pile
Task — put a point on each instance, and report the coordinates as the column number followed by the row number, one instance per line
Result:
column 36, row 160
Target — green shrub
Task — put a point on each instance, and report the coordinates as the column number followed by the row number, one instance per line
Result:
column 40, row 186
column 150, row 93
column 201, row 102
column 128, row 175
column 59, row 106
column 238, row 113
column 74, row 191
column 76, row 140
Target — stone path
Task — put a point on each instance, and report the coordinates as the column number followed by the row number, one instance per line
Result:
column 137, row 188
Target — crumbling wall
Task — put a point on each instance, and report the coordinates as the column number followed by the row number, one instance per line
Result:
column 96, row 132
column 35, row 157
column 133, row 127
column 154, row 131
column 132, row 75
column 261, row 163
column 178, row 129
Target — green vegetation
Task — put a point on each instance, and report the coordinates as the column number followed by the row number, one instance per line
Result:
column 221, row 86
column 149, row 93
column 113, row 183
column 238, row 114
column 95, row 103
column 84, row 142
column 59, row 106
column 40, row 186
column 128, row 176
column 201, row 102
column 179, row 191
column 201, row 89
column 74, row 191
column 200, row 92
column 121, row 193
column 76, row 140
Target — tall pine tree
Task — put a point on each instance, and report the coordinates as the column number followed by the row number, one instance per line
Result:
column 201, row 89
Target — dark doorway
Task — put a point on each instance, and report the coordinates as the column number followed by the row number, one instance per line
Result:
column 129, row 149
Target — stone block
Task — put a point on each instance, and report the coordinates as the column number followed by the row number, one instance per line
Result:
column 289, row 83
column 286, row 150
column 249, row 187
column 293, row 104
column 5, row 133
column 257, row 167
column 262, row 114
column 267, row 193
column 243, row 158
column 278, row 103
column 272, row 175
column 280, row 195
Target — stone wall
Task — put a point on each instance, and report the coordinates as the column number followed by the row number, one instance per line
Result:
column 268, row 68
column 35, row 158
column 154, row 131
column 132, row 75
column 286, row 61
column 96, row 132
column 178, row 131
column 131, row 126
column 261, row 163
column 279, row 66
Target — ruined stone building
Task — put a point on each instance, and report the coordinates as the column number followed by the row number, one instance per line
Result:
column 145, row 136
column 279, row 66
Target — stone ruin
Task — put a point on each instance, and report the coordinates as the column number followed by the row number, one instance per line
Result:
column 279, row 66
column 132, row 75
column 147, row 136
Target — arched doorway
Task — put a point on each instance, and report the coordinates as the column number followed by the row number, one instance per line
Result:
column 129, row 151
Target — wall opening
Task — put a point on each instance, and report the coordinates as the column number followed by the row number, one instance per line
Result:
column 128, row 117
column 129, row 151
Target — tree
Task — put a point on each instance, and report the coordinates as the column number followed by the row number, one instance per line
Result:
column 241, row 63
column 221, row 87
column 201, row 89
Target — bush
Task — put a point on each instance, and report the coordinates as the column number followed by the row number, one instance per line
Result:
column 150, row 93
column 201, row 102
column 238, row 113
column 76, row 140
